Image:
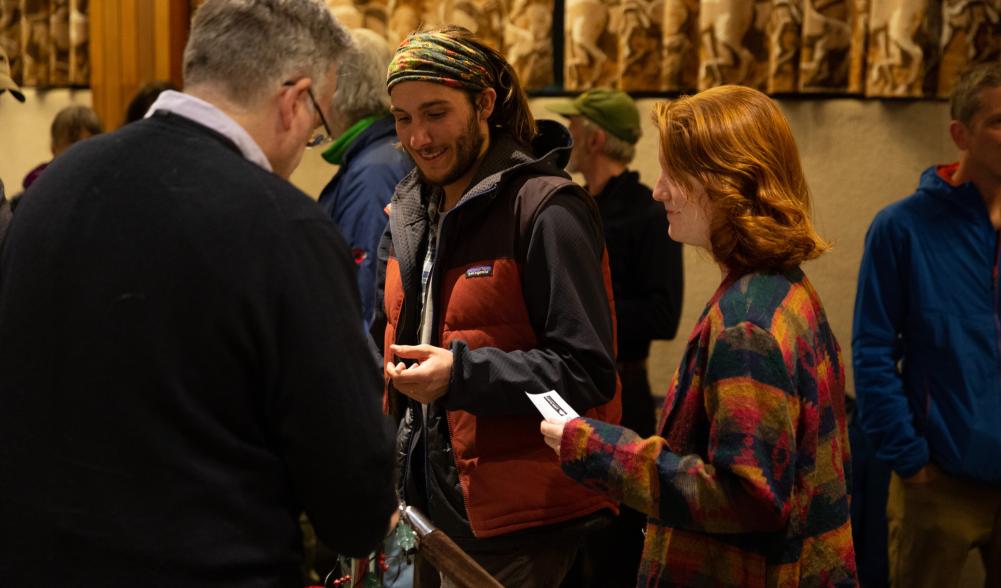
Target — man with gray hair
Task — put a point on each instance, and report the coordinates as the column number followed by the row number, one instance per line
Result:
column 370, row 159
column 169, row 305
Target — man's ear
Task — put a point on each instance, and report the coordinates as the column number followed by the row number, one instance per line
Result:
column 289, row 101
column 485, row 103
column 596, row 139
column 960, row 135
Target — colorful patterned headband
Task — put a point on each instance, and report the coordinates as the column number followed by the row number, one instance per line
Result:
column 441, row 59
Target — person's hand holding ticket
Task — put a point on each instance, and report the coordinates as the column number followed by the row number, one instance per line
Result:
column 557, row 412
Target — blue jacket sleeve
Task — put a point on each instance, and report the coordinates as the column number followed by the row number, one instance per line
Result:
column 359, row 211
column 880, row 314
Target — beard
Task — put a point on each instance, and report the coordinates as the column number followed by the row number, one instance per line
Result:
column 467, row 151
column 573, row 166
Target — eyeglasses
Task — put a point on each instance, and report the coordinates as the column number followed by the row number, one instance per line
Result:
column 318, row 138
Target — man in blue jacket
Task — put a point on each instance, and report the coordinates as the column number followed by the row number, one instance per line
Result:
column 927, row 350
column 371, row 162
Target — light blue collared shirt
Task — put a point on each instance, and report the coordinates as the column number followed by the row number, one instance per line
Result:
column 209, row 116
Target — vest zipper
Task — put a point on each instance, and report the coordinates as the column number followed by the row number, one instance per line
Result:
column 462, row 488
column 435, row 297
column 405, row 469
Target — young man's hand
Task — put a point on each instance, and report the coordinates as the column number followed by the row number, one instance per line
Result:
column 426, row 380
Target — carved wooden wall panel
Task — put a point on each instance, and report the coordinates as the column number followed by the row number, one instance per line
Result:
column 971, row 32
column 35, row 44
column 830, row 47
column 733, row 42
column 785, row 29
column 640, row 35
column 79, row 41
column 680, row 45
column 406, row 16
column 10, row 35
column 368, row 14
column 528, row 41
column 590, row 49
column 46, row 41
column 901, row 41
column 877, row 48
column 59, row 42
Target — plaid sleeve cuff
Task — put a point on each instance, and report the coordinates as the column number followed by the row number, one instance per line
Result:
column 574, row 443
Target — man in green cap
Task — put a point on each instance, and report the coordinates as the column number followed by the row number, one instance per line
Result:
column 647, row 281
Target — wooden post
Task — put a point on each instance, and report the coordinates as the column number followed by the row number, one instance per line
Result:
column 132, row 43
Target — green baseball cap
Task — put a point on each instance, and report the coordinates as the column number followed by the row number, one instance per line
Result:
column 611, row 110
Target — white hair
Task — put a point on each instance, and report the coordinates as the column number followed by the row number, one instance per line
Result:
column 246, row 47
column 361, row 80
column 614, row 148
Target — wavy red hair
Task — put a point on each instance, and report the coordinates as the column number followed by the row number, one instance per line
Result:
column 734, row 141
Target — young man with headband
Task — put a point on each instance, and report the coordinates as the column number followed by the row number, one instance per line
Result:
column 497, row 284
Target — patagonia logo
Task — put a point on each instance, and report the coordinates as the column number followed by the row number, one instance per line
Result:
column 480, row 271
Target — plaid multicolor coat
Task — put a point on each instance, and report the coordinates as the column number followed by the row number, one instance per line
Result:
column 746, row 483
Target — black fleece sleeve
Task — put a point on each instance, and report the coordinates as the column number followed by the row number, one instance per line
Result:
column 336, row 442
column 564, row 292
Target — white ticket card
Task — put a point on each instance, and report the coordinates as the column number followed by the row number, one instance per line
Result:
column 552, row 406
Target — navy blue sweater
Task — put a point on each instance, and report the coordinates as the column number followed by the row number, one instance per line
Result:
column 168, row 311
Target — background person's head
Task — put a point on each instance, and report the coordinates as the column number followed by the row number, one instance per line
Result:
column 267, row 63
column 72, row 124
column 728, row 154
column 975, row 105
column 361, row 81
column 603, row 123
column 144, row 98
column 966, row 98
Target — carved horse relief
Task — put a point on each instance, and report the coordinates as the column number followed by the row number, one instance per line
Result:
column 79, row 73
column 826, row 45
column 679, row 46
column 528, row 42
column 586, row 56
column 896, row 60
column 971, row 32
column 969, row 17
column 404, row 17
column 10, row 35
column 722, row 27
column 485, row 18
column 784, row 36
column 35, row 42
column 639, row 37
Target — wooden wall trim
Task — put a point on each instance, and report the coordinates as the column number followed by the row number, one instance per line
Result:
column 132, row 43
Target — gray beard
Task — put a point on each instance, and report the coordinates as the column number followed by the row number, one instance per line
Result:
column 572, row 165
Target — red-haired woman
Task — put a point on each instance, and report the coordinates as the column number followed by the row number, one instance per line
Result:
column 745, row 484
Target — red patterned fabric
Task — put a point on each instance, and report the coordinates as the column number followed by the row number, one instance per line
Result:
column 746, row 483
